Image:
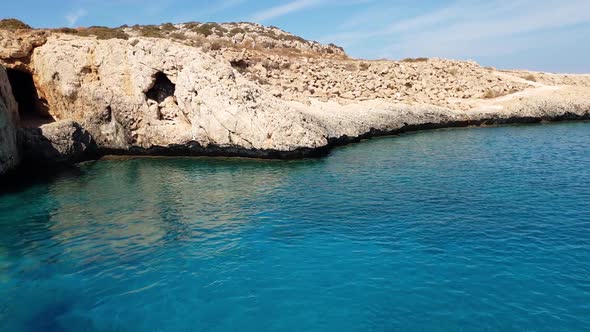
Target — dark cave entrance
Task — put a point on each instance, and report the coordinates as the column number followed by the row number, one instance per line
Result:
column 240, row 65
column 162, row 89
column 32, row 110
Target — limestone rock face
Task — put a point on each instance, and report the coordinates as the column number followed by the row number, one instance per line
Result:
column 163, row 96
column 62, row 142
column 145, row 93
column 9, row 157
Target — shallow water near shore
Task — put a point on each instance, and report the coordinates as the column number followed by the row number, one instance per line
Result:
column 468, row 229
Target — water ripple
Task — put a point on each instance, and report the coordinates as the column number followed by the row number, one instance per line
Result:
column 472, row 230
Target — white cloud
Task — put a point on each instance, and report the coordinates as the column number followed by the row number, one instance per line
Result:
column 226, row 4
column 285, row 9
column 468, row 28
column 74, row 16
column 204, row 13
column 299, row 5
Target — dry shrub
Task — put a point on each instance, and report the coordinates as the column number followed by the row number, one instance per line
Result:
column 351, row 66
column 207, row 29
column 13, row 24
column 168, row 27
column 530, row 77
column 151, row 31
column 66, row 30
column 202, row 30
column 178, row 36
column 236, row 31
column 411, row 60
column 192, row 41
column 364, row 66
column 289, row 37
column 99, row 32
column 336, row 47
column 216, row 46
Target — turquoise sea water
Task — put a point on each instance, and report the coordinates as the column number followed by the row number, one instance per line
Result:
column 449, row 230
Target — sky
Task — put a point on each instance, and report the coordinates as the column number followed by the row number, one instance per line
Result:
column 543, row 35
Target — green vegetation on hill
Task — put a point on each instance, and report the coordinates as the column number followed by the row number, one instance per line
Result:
column 211, row 35
column 151, row 31
column 411, row 60
column 13, row 24
column 168, row 27
column 99, row 32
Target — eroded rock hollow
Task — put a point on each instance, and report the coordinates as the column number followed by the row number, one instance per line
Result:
column 32, row 111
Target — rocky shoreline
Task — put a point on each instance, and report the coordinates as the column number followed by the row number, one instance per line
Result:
column 196, row 150
column 67, row 98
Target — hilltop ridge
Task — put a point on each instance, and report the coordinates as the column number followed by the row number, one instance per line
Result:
column 209, row 35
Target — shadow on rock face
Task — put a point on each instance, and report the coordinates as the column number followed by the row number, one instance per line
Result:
column 47, row 152
column 32, row 110
column 56, row 144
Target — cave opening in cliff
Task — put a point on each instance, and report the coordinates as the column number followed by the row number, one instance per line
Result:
column 162, row 88
column 32, row 110
column 240, row 65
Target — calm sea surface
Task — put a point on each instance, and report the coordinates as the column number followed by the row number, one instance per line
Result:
column 450, row 230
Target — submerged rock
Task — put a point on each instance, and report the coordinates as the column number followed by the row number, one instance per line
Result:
column 58, row 143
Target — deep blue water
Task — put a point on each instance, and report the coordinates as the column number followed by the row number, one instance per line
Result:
column 449, row 230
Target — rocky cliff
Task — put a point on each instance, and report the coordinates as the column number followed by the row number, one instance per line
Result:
column 247, row 90
column 9, row 157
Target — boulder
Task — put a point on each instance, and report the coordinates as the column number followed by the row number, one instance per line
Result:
column 18, row 45
column 59, row 143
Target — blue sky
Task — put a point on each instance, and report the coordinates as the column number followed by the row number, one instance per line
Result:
column 545, row 35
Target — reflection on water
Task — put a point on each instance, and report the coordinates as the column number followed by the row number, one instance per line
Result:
column 118, row 213
column 149, row 203
column 382, row 235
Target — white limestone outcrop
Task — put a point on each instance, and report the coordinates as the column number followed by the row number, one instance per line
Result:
column 160, row 96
